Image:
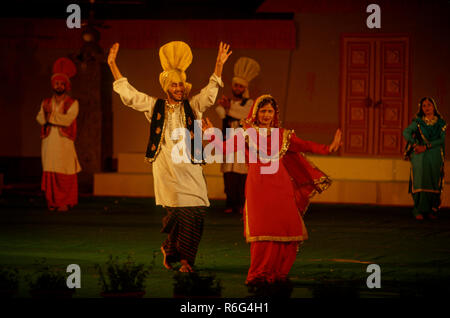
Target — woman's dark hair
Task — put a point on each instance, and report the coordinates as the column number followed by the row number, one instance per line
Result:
column 420, row 113
column 270, row 101
column 267, row 100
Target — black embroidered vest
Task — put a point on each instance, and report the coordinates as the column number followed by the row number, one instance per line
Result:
column 226, row 122
column 157, row 130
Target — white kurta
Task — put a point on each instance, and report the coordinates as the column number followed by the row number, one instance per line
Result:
column 58, row 152
column 175, row 184
column 239, row 112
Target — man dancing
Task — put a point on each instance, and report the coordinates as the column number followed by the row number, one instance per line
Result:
column 57, row 116
column 179, row 187
column 232, row 111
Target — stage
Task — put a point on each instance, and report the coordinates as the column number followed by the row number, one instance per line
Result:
column 343, row 241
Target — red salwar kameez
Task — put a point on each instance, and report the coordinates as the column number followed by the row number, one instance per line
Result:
column 275, row 205
column 276, row 202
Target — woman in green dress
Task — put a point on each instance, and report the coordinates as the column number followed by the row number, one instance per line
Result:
column 426, row 135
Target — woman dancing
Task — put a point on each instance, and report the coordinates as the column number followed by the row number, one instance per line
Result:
column 276, row 201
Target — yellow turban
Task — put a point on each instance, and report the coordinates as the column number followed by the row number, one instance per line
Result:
column 245, row 69
column 175, row 57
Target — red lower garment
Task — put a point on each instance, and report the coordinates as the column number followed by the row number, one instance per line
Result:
column 271, row 261
column 60, row 189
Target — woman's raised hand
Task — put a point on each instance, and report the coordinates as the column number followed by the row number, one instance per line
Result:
column 337, row 142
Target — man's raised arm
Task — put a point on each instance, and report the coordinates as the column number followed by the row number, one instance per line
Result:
column 112, row 61
column 129, row 95
column 207, row 96
column 222, row 57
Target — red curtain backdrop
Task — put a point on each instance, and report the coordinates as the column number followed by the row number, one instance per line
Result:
column 143, row 34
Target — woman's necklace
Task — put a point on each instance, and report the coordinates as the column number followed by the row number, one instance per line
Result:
column 266, row 130
column 430, row 121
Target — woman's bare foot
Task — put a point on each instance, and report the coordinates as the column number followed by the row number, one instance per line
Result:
column 165, row 263
column 185, row 267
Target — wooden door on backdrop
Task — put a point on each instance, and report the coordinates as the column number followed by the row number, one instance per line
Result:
column 374, row 94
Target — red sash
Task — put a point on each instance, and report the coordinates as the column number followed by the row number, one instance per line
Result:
column 70, row 131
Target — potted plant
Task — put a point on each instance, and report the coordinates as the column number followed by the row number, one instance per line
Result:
column 196, row 284
column 48, row 283
column 9, row 282
column 122, row 279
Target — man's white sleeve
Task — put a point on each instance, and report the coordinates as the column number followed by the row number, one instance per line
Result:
column 131, row 97
column 207, row 96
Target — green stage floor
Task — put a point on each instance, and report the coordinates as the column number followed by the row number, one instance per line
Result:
column 414, row 257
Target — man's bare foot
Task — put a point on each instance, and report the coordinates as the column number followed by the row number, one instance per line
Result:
column 165, row 263
column 185, row 267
